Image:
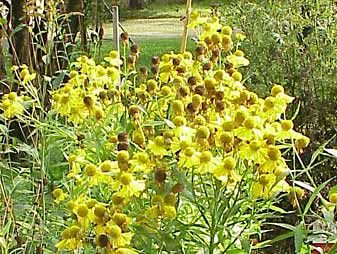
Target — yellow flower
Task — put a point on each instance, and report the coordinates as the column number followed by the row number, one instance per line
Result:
column 254, row 151
column 237, row 61
column 333, row 198
column 12, row 105
column 274, row 160
column 71, row 239
column 250, row 129
column 207, row 163
column 196, row 20
column 127, row 186
column 122, row 251
column 286, row 131
column 113, row 59
column 113, row 235
column 158, row 146
column 240, row 36
column 25, row 76
column 169, row 211
column 262, row 188
column 167, row 72
column 224, row 138
column 141, row 163
column 225, row 172
column 184, row 133
column 59, row 195
column 188, row 157
column 109, row 166
column 78, row 113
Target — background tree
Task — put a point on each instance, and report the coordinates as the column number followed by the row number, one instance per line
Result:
column 136, row 4
column 21, row 50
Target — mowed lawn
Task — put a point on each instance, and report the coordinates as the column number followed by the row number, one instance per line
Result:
column 148, row 46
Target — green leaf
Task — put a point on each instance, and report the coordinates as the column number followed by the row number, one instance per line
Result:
column 297, row 111
column 169, row 123
column 314, row 195
column 274, row 240
column 3, row 129
column 282, row 225
column 3, row 243
column 153, row 123
column 279, row 210
column 300, row 235
column 236, row 251
column 58, row 80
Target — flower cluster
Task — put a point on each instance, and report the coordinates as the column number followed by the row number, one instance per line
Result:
column 88, row 92
column 13, row 104
column 190, row 115
column 111, row 226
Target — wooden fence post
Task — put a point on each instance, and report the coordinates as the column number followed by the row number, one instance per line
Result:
column 115, row 28
column 187, row 22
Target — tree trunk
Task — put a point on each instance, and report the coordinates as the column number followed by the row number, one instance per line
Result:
column 77, row 22
column 136, row 4
column 3, row 88
column 2, row 55
column 21, row 44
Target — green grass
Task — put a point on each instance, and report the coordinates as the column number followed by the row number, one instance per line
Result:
column 157, row 10
column 148, row 47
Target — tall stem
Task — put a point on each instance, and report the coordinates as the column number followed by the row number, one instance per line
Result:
column 187, row 21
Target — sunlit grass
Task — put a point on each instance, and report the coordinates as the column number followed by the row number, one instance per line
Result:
column 148, row 47
column 159, row 10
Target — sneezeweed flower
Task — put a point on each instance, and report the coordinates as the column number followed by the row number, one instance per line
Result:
column 141, row 162
column 278, row 92
column 272, row 109
column 75, row 161
column 287, row 131
column 59, row 195
column 188, row 157
column 25, row 75
column 96, row 176
column 254, row 151
column 113, row 59
column 263, row 187
column 301, row 142
column 237, row 60
column 162, row 208
column 109, row 166
column 167, row 72
column 225, row 172
column 78, row 113
column 240, row 36
column 112, row 237
column 250, row 129
column 12, row 105
column 196, row 20
column 295, row 195
column 71, row 239
column 127, row 186
column 122, row 251
column 274, row 160
column 83, row 210
column 207, row 163
column 158, row 146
